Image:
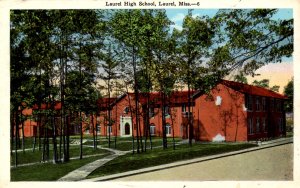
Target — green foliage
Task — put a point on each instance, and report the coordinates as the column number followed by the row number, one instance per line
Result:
column 262, row 83
column 289, row 92
column 240, row 78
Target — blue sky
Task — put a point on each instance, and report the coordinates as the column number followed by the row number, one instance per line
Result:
column 278, row 74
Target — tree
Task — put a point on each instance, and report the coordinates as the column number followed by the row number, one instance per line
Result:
column 275, row 88
column 262, row 83
column 193, row 43
column 240, row 78
column 109, row 67
column 289, row 92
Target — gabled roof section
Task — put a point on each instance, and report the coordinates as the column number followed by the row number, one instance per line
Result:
column 103, row 103
column 252, row 90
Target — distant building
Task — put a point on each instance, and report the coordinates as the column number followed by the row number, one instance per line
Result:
column 230, row 112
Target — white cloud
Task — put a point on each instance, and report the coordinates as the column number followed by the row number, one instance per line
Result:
column 178, row 27
column 178, row 17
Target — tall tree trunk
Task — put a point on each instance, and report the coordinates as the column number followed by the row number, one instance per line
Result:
column 16, row 138
column 81, row 134
column 165, row 144
column 23, row 138
column 93, row 129
column 12, row 127
column 131, row 114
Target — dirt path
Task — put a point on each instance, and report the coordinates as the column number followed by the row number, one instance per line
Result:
column 274, row 163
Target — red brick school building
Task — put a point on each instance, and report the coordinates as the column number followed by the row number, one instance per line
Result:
column 230, row 112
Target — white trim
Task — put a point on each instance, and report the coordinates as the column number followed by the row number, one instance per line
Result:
column 123, row 121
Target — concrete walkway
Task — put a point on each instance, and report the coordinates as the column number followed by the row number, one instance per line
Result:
column 82, row 172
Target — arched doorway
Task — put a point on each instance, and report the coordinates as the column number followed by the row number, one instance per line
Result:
column 127, row 129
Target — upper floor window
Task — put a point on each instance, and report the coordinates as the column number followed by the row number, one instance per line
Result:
column 257, row 103
column 126, row 110
column 272, row 104
column 183, row 108
column 151, row 112
column 249, row 102
column 167, row 112
column 264, row 107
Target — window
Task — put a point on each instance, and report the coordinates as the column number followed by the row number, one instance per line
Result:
column 257, row 103
column 109, row 129
column 183, row 108
column 264, row 104
column 151, row 112
column 168, row 129
column 249, row 102
column 280, row 124
column 152, row 129
column 250, row 125
column 98, row 128
column 167, row 114
column 272, row 104
column 126, row 110
column 264, row 124
column 257, row 125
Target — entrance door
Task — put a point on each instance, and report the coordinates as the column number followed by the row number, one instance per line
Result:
column 127, row 129
column 125, row 126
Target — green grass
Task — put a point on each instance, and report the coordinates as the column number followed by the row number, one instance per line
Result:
column 125, row 144
column 159, row 156
column 47, row 171
column 33, row 157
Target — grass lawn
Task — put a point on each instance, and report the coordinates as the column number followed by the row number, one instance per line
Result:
column 47, row 171
column 159, row 156
column 126, row 144
column 32, row 157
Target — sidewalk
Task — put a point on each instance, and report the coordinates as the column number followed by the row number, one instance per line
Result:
column 82, row 172
column 262, row 145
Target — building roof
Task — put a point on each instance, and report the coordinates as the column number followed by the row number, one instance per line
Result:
column 176, row 97
column 252, row 90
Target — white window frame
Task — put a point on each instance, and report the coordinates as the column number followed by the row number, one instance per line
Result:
column 98, row 128
column 152, row 130
column 168, row 129
column 109, row 130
